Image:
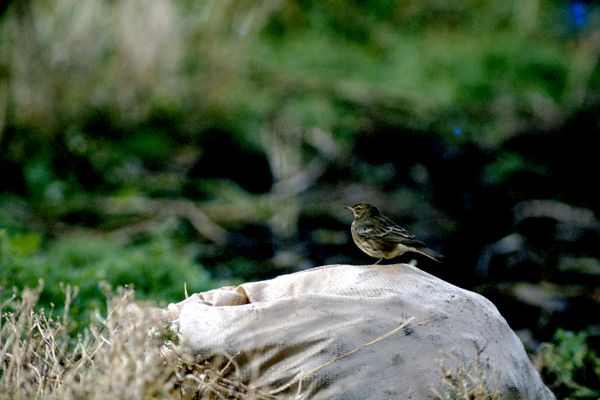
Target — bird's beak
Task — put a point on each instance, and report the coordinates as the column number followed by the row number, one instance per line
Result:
column 348, row 208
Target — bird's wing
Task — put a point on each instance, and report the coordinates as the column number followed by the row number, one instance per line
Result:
column 389, row 232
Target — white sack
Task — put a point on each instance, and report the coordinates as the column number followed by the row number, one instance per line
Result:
column 358, row 332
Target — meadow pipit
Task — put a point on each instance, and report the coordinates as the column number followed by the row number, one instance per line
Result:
column 382, row 238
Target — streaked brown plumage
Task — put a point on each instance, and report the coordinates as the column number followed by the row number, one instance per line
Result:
column 380, row 237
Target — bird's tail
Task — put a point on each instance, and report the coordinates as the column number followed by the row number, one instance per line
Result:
column 431, row 254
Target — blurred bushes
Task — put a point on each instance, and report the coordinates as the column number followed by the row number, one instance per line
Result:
column 139, row 96
column 155, row 268
column 492, row 69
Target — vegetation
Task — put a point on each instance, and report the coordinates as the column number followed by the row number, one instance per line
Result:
column 95, row 266
column 41, row 360
column 570, row 366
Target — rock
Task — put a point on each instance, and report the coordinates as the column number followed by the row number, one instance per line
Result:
column 358, row 332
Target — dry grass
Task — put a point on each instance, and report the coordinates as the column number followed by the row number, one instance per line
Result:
column 129, row 354
column 464, row 382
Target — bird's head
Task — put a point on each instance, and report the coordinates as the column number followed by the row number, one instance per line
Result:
column 362, row 210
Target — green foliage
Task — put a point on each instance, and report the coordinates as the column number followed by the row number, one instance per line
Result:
column 156, row 269
column 508, row 165
column 499, row 65
column 570, row 367
column 122, row 104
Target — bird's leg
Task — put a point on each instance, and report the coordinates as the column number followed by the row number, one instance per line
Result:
column 378, row 261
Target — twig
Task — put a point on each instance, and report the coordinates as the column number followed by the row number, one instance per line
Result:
column 217, row 384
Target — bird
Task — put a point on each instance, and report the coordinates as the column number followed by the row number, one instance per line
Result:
column 380, row 237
